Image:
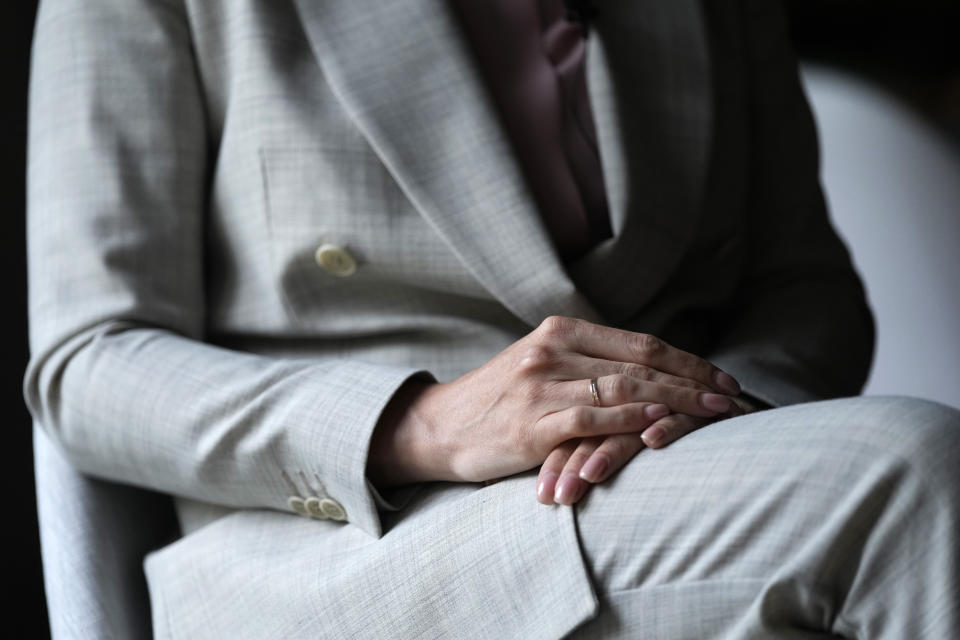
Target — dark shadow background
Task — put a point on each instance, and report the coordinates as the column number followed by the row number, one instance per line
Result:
column 907, row 46
column 911, row 47
column 22, row 578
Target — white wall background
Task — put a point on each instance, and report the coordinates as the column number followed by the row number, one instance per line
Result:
column 893, row 185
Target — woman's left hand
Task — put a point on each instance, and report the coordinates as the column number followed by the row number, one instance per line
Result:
column 573, row 466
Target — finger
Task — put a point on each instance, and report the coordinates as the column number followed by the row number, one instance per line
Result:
column 582, row 366
column 550, row 470
column 747, row 406
column 672, row 428
column 570, row 488
column 620, row 389
column 580, row 421
column 641, row 348
column 612, row 454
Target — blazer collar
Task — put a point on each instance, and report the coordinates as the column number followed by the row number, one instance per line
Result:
column 650, row 84
column 406, row 76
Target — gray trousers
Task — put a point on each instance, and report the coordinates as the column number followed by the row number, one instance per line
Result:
column 830, row 519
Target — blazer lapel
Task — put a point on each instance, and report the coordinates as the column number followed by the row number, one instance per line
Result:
column 650, row 86
column 406, row 76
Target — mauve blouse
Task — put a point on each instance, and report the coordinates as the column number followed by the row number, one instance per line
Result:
column 532, row 60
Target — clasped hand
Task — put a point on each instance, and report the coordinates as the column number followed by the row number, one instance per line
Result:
column 532, row 405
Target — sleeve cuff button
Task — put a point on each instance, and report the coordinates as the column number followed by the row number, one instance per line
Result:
column 332, row 509
column 314, row 509
column 297, row 504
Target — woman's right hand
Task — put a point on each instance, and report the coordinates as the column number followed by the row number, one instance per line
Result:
column 508, row 415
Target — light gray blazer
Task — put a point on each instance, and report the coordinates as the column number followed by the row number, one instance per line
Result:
column 186, row 160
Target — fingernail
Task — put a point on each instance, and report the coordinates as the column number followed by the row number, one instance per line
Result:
column 568, row 489
column 595, row 467
column 726, row 382
column 545, row 489
column 656, row 411
column 652, row 436
column 714, row 402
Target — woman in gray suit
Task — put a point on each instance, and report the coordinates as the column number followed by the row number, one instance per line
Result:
column 403, row 304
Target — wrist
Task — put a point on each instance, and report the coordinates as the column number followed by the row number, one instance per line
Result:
column 403, row 447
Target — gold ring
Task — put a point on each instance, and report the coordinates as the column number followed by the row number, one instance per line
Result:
column 595, row 392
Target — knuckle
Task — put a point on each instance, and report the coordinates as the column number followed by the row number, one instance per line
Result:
column 699, row 386
column 615, row 449
column 619, row 388
column 555, row 327
column 689, row 384
column 624, row 416
column 578, row 419
column 681, row 395
column 647, row 345
column 669, row 426
column 536, row 358
column 638, row 371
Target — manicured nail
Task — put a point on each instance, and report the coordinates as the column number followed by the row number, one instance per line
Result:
column 545, row 489
column 652, row 436
column 714, row 402
column 656, row 411
column 568, row 489
column 595, row 467
column 726, row 382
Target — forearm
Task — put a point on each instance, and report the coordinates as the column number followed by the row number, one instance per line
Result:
column 146, row 407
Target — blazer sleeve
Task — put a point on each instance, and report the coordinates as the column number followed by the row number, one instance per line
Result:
column 120, row 378
column 801, row 329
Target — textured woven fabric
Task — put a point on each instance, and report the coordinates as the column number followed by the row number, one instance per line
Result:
column 820, row 520
column 188, row 159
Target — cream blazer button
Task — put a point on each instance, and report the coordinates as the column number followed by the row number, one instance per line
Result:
column 332, row 509
column 313, row 508
column 335, row 260
column 296, row 503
